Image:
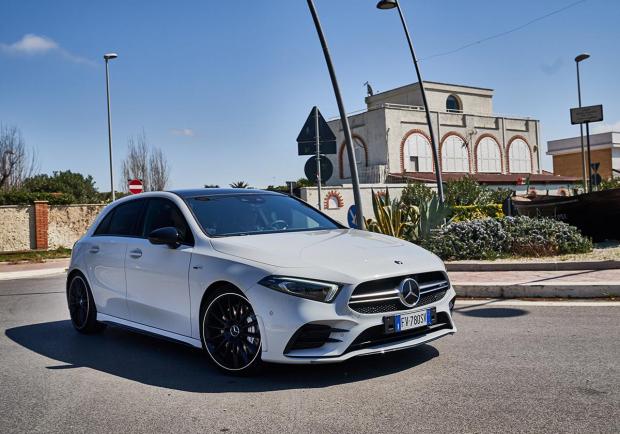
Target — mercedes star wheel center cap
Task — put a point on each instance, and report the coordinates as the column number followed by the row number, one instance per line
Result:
column 234, row 331
column 409, row 292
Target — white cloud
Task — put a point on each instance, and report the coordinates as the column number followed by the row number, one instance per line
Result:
column 31, row 44
column 605, row 128
column 185, row 132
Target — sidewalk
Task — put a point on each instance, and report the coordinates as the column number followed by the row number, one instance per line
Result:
column 33, row 269
column 523, row 284
column 491, row 284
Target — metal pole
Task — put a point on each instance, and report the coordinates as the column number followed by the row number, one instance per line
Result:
column 586, row 182
column 359, row 218
column 318, row 153
column 589, row 157
column 107, row 89
column 426, row 108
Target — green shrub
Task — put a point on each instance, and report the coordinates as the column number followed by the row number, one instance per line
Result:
column 20, row 197
column 476, row 212
column 475, row 239
column 509, row 236
column 415, row 194
column 543, row 237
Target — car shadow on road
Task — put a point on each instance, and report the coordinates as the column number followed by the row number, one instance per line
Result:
column 161, row 363
column 494, row 312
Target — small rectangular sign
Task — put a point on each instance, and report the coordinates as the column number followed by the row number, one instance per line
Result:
column 584, row 115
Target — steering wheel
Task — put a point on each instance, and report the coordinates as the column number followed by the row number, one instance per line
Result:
column 279, row 225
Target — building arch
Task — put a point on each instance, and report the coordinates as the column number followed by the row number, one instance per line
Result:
column 488, row 153
column 455, row 154
column 520, row 155
column 361, row 150
column 416, row 153
column 454, row 104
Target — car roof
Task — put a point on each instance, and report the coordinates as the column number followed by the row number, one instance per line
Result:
column 198, row 192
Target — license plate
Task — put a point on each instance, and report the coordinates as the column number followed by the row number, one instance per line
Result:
column 412, row 320
column 408, row 321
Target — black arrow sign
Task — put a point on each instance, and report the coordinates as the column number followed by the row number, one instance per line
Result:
column 306, row 141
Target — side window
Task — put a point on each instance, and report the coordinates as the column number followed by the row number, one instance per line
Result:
column 102, row 229
column 122, row 220
column 161, row 213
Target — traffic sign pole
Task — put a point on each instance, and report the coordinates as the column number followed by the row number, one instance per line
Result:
column 318, row 154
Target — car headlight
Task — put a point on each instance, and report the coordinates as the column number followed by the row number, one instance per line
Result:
column 311, row 289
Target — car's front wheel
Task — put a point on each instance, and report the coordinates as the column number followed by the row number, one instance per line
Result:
column 230, row 333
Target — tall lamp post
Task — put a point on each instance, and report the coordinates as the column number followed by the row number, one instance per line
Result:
column 359, row 217
column 391, row 4
column 107, row 57
column 586, row 181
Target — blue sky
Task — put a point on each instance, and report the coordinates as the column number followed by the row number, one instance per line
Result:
column 224, row 87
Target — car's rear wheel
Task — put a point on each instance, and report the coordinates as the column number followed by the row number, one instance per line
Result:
column 230, row 333
column 82, row 306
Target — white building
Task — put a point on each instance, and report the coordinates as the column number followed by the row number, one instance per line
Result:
column 392, row 143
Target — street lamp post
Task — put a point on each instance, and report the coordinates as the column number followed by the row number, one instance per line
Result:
column 359, row 218
column 107, row 57
column 586, row 181
column 391, row 4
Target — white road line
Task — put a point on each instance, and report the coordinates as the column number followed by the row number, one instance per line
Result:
column 550, row 303
column 29, row 274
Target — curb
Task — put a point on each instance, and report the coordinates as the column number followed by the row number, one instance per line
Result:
column 32, row 274
column 532, row 266
column 555, row 290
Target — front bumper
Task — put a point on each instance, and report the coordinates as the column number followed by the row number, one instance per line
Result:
column 282, row 315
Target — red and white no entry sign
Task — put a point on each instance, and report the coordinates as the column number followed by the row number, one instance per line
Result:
column 135, row 186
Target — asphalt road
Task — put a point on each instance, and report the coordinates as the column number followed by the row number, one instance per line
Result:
column 508, row 369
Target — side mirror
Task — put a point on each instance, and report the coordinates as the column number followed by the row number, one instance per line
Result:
column 168, row 235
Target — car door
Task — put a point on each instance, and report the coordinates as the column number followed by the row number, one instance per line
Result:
column 158, row 275
column 106, row 257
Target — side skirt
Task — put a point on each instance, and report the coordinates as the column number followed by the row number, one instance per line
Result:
column 152, row 331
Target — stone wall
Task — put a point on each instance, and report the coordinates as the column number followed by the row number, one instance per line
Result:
column 16, row 227
column 65, row 225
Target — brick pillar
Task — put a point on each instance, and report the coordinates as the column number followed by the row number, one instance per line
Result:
column 41, row 214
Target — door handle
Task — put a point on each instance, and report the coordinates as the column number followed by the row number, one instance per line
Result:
column 94, row 249
column 135, row 253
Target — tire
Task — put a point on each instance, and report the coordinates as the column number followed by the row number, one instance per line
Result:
column 82, row 309
column 230, row 334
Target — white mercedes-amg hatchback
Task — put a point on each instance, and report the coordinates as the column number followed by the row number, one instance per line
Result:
column 251, row 275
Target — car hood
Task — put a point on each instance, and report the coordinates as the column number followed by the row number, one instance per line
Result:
column 347, row 252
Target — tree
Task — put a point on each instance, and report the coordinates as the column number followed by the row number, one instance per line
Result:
column 146, row 164
column 239, row 184
column 16, row 161
column 81, row 188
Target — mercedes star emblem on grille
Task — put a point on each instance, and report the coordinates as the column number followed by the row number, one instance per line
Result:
column 409, row 292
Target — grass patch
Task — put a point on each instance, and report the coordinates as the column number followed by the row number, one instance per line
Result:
column 35, row 255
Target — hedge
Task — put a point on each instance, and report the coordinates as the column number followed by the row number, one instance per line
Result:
column 509, row 236
column 27, row 198
column 476, row 212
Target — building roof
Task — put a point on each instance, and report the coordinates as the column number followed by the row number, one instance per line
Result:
column 426, row 82
column 485, row 178
column 573, row 144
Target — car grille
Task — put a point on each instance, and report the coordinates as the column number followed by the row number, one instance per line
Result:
column 377, row 335
column 380, row 296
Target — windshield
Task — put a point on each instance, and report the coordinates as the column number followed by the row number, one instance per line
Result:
column 248, row 214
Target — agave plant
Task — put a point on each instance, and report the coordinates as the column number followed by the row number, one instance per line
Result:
column 390, row 217
column 433, row 214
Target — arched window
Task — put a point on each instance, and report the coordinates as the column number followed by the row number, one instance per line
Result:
column 360, row 157
column 519, row 157
column 453, row 104
column 488, row 156
column 454, row 155
column 417, row 154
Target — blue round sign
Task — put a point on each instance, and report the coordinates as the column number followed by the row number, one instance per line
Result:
column 351, row 215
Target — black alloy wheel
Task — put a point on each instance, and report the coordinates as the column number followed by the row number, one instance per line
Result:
column 82, row 308
column 230, row 333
